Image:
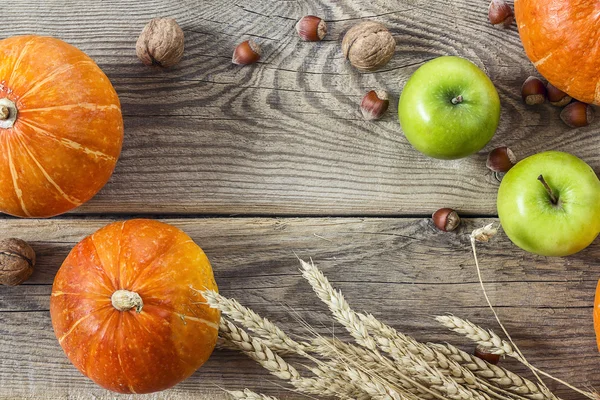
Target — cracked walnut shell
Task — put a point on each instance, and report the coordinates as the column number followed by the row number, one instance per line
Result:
column 368, row 46
column 161, row 43
column 17, row 259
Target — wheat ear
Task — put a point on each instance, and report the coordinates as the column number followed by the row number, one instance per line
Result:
column 343, row 354
column 372, row 386
column 497, row 376
column 248, row 394
column 398, row 344
column 275, row 338
column 496, row 345
column 342, row 312
column 484, row 338
column 344, row 385
column 483, row 235
column 260, row 352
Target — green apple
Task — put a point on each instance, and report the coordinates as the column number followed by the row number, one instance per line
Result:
column 549, row 204
column 449, row 108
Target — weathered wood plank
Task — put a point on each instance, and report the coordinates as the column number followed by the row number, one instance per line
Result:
column 402, row 270
column 285, row 136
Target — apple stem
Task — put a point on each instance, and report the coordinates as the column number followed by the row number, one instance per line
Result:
column 457, row 99
column 548, row 189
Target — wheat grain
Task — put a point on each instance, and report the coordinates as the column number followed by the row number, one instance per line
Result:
column 247, row 394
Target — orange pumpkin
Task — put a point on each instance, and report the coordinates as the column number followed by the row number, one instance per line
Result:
column 562, row 39
column 596, row 315
column 126, row 306
column 61, row 128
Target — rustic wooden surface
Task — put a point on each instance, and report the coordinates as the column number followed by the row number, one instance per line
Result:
column 402, row 270
column 285, row 138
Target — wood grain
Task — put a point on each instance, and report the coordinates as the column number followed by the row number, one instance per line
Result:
column 402, row 270
column 285, row 136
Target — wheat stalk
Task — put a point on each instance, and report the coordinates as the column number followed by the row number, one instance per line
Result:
column 363, row 371
column 247, row 394
column 274, row 337
column 439, row 385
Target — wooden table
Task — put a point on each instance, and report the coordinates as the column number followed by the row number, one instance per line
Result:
column 258, row 163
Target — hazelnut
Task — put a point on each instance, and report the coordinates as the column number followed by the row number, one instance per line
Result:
column 368, row 46
column 533, row 91
column 446, row 219
column 501, row 159
column 556, row 96
column 161, row 43
column 17, row 259
column 245, row 53
column 311, row 28
column 485, row 355
column 577, row 114
column 500, row 13
column 374, row 104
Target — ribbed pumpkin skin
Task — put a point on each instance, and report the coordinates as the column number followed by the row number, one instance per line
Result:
column 68, row 134
column 126, row 351
column 562, row 39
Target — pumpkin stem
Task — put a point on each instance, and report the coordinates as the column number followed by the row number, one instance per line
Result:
column 124, row 300
column 4, row 113
column 8, row 113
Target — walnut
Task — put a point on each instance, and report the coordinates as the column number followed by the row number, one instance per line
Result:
column 17, row 259
column 161, row 43
column 368, row 46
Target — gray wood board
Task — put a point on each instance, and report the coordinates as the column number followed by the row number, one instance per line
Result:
column 402, row 270
column 285, row 136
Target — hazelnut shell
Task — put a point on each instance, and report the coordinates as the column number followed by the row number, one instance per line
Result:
column 533, row 91
column 17, row 260
column 368, row 46
column 577, row 114
column 161, row 43
column 501, row 159
column 246, row 53
column 374, row 104
column 500, row 14
column 311, row 28
column 484, row 354
column 446, row 219
column 557, row 97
